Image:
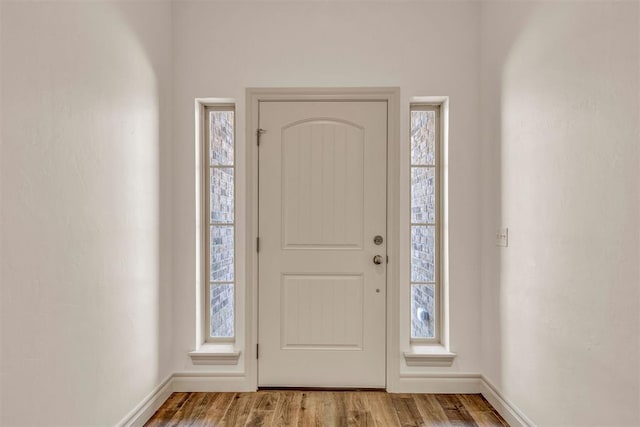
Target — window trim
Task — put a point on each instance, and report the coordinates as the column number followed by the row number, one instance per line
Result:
column 436, row 107
column 205, row 221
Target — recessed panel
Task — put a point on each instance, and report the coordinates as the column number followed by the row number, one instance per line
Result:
column 322, row 185
column 322, row 311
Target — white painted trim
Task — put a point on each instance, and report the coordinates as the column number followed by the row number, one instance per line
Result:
column 459, row 382
column 440, row 303
column 406, row 343
column 436, row 382
column 510, row 412
column 200, row 357
column 211, row 382
column 202, row 219
column 392, row 96
column 393, row 237
column 444, row 219
column 434, row 358
column 208, row 374
column 442, row 222
column 408, row 382
column 149, row 405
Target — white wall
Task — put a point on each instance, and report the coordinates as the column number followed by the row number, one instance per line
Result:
column 560, row 305
column 85, row 303
column 425, row 48
column 98, row 232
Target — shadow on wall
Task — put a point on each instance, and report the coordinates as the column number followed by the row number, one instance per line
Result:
column 502, row 34
column 560, row 117
column 507, row 39
column 496, row 46
column 86, row 194
column 155, row 43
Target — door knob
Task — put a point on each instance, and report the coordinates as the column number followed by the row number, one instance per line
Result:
column 377, row 259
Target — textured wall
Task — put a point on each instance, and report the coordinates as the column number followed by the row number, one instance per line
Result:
column 85, row 216
column 86, row 181
column 426, row 48
column 560, row 95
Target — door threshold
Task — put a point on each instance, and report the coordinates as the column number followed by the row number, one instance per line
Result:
column 360, row 389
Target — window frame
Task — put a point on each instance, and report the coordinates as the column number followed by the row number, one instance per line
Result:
column 207, row 223
column 438, row 226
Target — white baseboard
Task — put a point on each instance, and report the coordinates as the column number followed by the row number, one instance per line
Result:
column 463, row 383
column 149, row 405
column 184, row 382
column 407, row 383
column 438, row 383
column 506, row 408
column 211, row 382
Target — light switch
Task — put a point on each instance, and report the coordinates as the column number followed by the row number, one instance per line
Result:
column 502, row 237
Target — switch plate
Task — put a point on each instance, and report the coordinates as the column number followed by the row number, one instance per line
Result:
column 502, row 237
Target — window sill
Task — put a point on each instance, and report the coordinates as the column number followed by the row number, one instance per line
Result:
column 429, row 355
column 215, row 354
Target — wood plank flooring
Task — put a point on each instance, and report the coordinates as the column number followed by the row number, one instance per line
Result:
column 325, row 408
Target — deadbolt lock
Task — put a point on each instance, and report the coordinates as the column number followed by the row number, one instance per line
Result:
column 378, row 240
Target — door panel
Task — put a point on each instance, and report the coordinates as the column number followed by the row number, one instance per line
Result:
column 322, row 198
column 323, row 178
column 322, row 311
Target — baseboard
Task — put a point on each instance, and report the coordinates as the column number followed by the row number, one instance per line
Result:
column 514, row 416
column 149, row 405
column 407, row 383
column 211, row 382
column 463, row 383
column 437, row 383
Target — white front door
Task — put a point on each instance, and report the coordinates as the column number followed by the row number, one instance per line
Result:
column 322, row 201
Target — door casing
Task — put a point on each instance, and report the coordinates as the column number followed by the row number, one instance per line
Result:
column 253, row 97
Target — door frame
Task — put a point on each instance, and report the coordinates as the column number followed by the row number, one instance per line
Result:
column 253, row 98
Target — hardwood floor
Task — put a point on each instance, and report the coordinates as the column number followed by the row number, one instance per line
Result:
column 325, row 408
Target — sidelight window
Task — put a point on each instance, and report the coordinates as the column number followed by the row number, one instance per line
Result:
column 425, row 227
column 219, row 235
